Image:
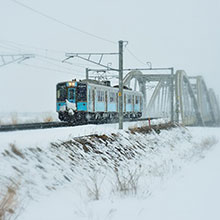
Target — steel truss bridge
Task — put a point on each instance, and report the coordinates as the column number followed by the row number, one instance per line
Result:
column 177, row 97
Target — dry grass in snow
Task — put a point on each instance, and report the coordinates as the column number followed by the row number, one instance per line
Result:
column 8, row 202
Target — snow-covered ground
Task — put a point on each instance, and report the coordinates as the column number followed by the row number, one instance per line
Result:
column 19, row 118
column 121, row 175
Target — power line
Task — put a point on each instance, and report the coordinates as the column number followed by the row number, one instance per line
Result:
column 136, row 58
column 19, row 45
column 45, row 59
column 61, row 22
column 49, row 69
column 57, row 60
column 9, row 47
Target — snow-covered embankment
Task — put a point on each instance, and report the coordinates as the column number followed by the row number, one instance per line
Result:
column 104, row 165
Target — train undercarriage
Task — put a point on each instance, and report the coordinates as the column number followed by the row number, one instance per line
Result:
column 80, row 116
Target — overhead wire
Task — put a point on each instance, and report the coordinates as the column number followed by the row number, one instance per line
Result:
column 50, row 69
column 62, row 23
column 12, row 43
column 57, row 60
column 19, row 45
column 134, row 56
column 37, row 55
column 45, row 59
column 8, row 48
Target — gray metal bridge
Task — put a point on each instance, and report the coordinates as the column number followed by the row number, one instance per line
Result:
column 177, row 97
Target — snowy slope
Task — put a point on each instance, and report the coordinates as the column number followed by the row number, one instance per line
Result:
column 171, row 178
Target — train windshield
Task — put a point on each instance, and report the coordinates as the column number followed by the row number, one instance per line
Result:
column 61, row 92
column 81, row 92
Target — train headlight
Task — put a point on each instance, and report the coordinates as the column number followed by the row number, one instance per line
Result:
column 72, row 84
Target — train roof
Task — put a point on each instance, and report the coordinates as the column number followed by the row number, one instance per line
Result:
column 100, row 83
column 103, row 83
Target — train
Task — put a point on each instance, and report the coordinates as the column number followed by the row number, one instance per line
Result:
column 92, row 100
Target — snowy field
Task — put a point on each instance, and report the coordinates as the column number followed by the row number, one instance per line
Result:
column 19, row 118
column 119, row 175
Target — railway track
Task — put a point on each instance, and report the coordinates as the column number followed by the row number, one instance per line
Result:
column 44, row 125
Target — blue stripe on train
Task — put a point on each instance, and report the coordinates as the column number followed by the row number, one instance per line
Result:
column 59, row 104
column 81, row 106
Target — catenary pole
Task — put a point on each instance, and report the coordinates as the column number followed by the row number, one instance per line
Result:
column 120, row 70
column 120, row 93
column 87, row 73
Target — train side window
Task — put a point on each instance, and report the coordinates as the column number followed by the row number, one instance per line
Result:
column 100, row 96
column 136, row 99
column 129, row 99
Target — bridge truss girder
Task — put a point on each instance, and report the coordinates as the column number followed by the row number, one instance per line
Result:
column 194, row 103
column 186, row 103
column 203, row 99
column 215, row 105
column 163, row 87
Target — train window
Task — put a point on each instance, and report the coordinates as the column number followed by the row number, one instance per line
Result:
column 61, row 92
column 129, row 99
column 136, row 99
column 100, row 96
column 81, row 94
column 71, row 94
column 112, row 97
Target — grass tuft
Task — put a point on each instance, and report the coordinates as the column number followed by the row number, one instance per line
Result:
column 8, row 202
column 208, row 142
column 48, row 119
column 14, row 118
column 16, row 151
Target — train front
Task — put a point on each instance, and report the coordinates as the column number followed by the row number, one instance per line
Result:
column 71, row 101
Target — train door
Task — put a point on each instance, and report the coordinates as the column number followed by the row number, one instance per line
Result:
column 106, row 101
column 93, row 100
column 71, row 95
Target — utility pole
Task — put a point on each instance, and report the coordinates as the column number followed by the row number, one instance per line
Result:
column 87, row 57
column 87, row 73
column 120, row 93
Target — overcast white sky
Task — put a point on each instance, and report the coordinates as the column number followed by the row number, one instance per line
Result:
column 183, row 34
